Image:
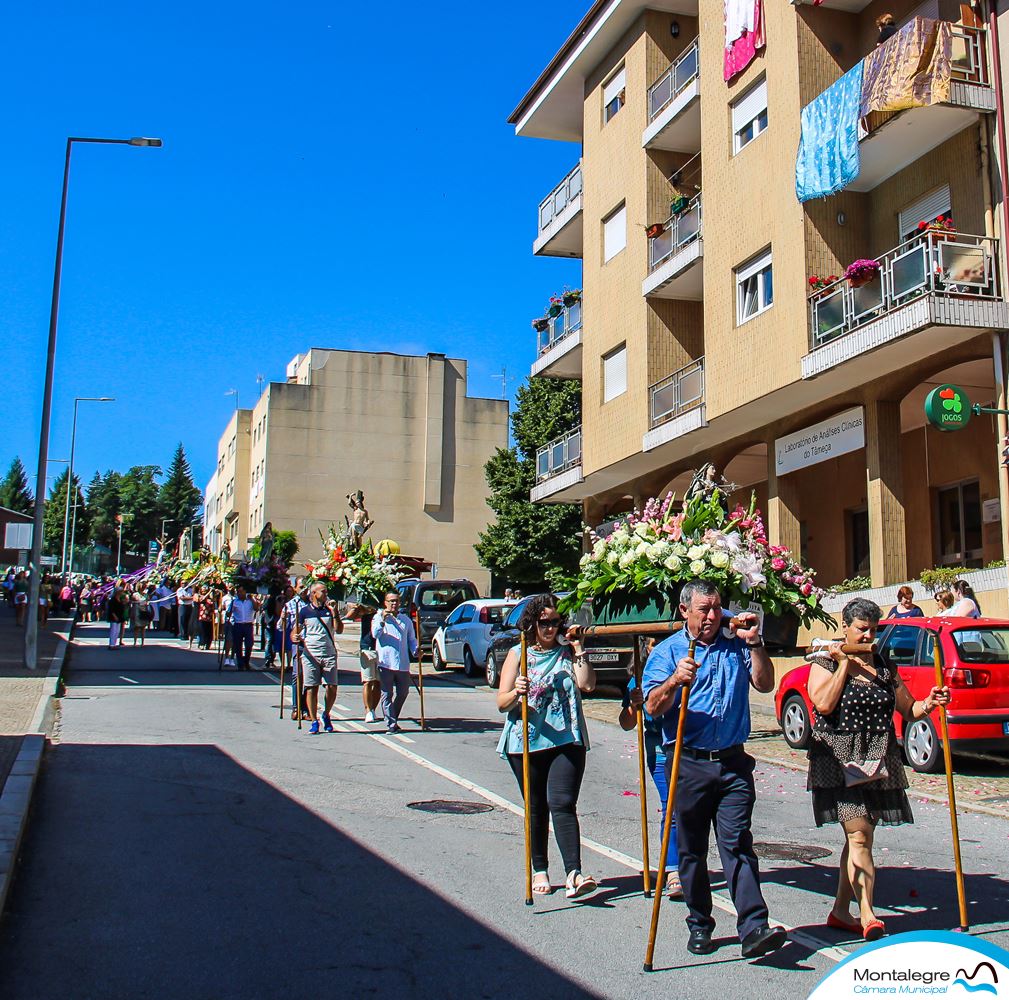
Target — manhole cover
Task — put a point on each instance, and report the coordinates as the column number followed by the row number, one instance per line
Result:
column 790, row 852
column 459, row 808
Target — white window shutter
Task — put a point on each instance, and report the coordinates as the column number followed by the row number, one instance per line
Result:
column 616, row 83
column 614, row 233
column 615, row 373
column 749, row 105
column 926, row 208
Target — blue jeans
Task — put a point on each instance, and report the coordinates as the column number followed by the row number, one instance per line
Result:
column 656, row 759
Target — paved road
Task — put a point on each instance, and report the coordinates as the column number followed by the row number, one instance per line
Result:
column 187, row 843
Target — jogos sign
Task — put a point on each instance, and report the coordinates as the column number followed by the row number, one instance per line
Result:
column 947, row 408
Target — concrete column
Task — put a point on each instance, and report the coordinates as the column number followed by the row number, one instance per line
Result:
column 887, row 538
column 434, row 435
column 782, row 507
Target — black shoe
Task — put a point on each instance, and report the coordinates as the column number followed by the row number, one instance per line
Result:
column 763, row 941
column 699, row 942
column 393, row 729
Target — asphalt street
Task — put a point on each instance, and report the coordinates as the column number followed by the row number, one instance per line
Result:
column 186, row 842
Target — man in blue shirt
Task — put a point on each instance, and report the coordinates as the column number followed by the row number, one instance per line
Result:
column 715, row 784
column 395, row 643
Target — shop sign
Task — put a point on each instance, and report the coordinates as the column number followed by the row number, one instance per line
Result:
column 838, row 435
column 947, row 408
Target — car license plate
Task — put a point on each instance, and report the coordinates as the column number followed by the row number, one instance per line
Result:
column 604, row 657
column 1005, row 728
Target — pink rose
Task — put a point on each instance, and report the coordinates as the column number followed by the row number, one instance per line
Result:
column 806, row 589
column 778, row 564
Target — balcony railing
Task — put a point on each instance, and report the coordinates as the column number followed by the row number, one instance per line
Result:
column 568, row 321
column 559, row 455
column 679, row 230
column 969, row 63
column 560, row 197
column 677, row 393
column 668, row 86
column 954, row 265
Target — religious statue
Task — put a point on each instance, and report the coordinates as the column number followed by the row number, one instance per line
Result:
column 185, row 546
column 163, row 550
column 266, row 542
column 706, row 483
column 359, row 521
column 226, row 551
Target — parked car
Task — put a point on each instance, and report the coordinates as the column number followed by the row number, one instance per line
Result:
column 609, row 656
column 435, row 600
column 466, row 633
column 975, row 658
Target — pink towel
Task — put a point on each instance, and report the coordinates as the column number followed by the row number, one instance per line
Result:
column 740, row 52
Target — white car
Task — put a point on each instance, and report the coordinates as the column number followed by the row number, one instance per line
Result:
column 464, row 638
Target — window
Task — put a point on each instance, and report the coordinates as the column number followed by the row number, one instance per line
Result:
column 927, row 208
column 466, row 613
column 754, row 288
column 614, row 94
column 615, row 373
column 614, row 233
column 858, row 542
column 17, row 536
column 749, row 116
column 900, row 645
column 455, row 616
column 958, row 517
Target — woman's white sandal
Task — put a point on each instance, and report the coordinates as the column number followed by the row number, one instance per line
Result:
column 578, row 884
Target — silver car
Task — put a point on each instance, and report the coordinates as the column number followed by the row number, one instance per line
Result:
column 464, row 638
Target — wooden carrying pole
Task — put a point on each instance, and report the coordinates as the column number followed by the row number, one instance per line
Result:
column 668, row 825
column 950, row 788
column 524, row 671
column 646, row 864
column 296, row 665
column 283, row 634
column 420, row 670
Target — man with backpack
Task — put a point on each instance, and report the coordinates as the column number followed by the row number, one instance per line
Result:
column 315, row 630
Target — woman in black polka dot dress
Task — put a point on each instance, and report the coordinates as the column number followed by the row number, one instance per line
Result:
column 856, row 774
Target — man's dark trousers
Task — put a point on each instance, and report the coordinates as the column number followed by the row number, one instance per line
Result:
column 719, row 792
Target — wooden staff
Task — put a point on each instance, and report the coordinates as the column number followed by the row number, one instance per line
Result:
column 301, row 695
column 950, row 788
column 646, row 866
column 524, row 672
column 853, row 649
column 668, row 825
column 283, row 617
column 420, row 671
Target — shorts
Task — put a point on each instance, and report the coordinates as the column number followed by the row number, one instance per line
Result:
column 21, row 598
column 369, row 665
column 316, row 670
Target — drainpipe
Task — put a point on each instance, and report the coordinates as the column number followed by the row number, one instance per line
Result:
column 995, row 68
column 998, row 347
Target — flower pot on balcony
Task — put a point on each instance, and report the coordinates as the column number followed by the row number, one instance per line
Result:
column 570, row 298
column 656, row 230
column 622, row 608
column 678, row 205
column 860, row 280
column 541, row 325
column 554, row 311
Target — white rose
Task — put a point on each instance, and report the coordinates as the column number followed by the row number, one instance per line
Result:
column 642, row 549
column 719, row 559
column 620, row 535
column 599, row 548
column 697, row 567
column 641, row 529
column 672, row 563
column 626, row 559
column 612, row 558
column 679, row 549
column 655, row 552
column 696, row 552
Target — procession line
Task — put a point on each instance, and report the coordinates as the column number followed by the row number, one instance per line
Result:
column 809, row 941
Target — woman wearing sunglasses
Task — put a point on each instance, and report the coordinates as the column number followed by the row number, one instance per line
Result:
column 558, row 739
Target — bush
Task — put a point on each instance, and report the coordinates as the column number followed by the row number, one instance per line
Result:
column 847, row 586
column 940, row 578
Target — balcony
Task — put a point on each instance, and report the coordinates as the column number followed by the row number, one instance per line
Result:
column 558, row 467
column 676, row 256
column 559, row 347
column 674, row 106
column 944, row 287
column 559, row 230
column 676, row 405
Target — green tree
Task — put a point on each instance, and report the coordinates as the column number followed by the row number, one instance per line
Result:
column 532, row 542
column 179, row 498
column 103, row 506
column 14, row 492
column 55, row 509
column 138, row 499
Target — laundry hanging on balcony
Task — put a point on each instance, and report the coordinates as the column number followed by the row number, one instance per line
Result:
column 744, row 35
column 912, row 70
column 828, row 158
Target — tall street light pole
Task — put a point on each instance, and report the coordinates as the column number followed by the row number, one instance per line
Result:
column 70, row 476
column 32, row 618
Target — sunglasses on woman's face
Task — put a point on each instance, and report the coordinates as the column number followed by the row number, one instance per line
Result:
column 548, row 622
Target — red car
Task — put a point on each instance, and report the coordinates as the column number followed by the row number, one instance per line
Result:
column 975, row 659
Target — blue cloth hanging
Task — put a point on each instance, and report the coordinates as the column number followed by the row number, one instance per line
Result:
column 828, row 159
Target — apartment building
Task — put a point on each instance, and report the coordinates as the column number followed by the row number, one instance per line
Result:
column 699, row 336
column 400, row 428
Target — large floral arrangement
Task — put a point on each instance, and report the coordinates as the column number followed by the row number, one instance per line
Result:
column 361, row 572
column 659, row 549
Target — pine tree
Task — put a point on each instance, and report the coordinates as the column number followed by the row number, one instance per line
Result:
column 103, row 506
column 138, row 498
column 55, row 509
column 14, row 492
column 179, row 497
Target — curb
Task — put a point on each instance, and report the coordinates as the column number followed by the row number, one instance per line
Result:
column 45, row 712
column 15, row 801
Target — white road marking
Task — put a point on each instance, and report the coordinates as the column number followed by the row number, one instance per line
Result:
column 402, row 738
column 813, row 943
column 129, row 680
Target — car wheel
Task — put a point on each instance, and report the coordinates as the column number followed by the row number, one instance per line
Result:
column 491, row 671
column 922, row 746
column 469, row 667
column 795, row 722
column 437, row 660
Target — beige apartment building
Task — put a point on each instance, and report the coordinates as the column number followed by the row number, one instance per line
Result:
column 704, row 342
column 401, row 428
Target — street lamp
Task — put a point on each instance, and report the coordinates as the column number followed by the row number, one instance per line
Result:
column 32, row 618
column 70, row 477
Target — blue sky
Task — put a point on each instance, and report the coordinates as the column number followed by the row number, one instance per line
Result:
column 333, row 175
